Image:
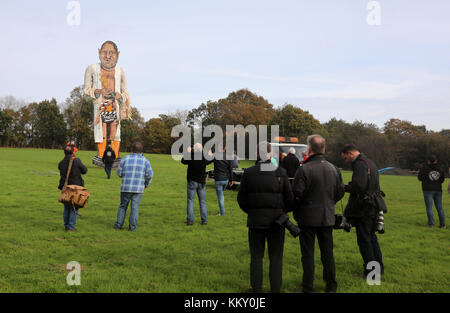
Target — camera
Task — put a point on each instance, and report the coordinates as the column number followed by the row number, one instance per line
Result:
column 341, row 222
column 283, row 221
column 380, row 222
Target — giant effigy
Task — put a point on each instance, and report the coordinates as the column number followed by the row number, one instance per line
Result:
column 105, row 82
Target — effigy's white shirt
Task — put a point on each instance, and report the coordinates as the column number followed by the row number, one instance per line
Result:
column 92, row 82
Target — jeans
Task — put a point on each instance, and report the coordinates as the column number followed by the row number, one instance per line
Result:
column 220, row 187
column 125, row 198
column 193, row 188
column 435, row 196
column 275, row 242
column 108, row 168
column 325, row 239
column 70, row 216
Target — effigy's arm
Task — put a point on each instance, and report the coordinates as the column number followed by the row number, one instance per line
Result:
column 89, row 88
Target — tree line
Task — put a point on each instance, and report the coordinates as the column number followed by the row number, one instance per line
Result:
column 47, row 125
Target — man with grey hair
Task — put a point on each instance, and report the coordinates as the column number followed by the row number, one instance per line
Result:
column 290, row 163
column 317, row 187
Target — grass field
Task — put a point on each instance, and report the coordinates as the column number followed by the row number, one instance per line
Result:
column 165, row 255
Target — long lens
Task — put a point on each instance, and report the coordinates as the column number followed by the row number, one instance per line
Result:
column 294, row 230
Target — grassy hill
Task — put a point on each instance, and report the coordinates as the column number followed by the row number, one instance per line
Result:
column 165, row 255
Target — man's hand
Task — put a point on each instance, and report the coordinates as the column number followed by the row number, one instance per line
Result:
column 105, row 92
column 230, row 183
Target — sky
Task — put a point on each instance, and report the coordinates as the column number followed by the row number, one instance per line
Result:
column 323, row 56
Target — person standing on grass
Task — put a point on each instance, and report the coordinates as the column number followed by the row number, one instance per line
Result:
column 361, row 214
column 70, row 214
column 223, row 175
column 290, row 163
column 432, row 176
column 317, row 187
column 265, row 194
column 108, row 159
column 136, row 173
column 196, row 182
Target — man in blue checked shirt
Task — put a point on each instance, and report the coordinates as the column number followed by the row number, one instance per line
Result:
column 136, row 173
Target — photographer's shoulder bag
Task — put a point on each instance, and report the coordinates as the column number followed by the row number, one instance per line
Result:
column 377, row 196
column 75, row 195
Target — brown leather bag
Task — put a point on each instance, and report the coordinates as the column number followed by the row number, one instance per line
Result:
column 75, row 195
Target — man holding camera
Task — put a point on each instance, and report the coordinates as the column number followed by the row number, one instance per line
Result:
column 317, row 187
column 360, row 210
column 265, row 195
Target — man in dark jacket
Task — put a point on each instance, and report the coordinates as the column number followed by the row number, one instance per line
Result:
column 196, row 182
column 70, row 214
column 223, row 175
column 265, row 194
column 290, row 163
column 361, row 213
column 108, row 159
column 432, row 176
column 317, row 187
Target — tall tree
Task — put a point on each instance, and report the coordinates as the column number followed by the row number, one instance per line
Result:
column 79, row 117
column 50, row 126
column 132, row 130
column 157, row 133
column 294, row 122
column 6, row 119
column 241, row 107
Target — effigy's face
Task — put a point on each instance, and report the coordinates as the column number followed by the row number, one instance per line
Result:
column 108, row 56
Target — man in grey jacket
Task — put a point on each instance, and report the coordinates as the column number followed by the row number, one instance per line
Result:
column 317, row 187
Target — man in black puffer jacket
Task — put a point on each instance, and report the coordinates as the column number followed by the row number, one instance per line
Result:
column 265, row 194
column 317, row 187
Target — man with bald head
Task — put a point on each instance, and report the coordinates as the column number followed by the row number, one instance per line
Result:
column 317, row 187
column 106, row 83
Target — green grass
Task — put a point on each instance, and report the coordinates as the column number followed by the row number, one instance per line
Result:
column 164, row 255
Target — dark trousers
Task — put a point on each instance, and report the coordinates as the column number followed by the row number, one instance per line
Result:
column 368, row 242
column 108, row 167
column 307, row 242
column 275, row 243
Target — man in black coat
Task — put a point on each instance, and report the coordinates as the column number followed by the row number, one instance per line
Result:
column 108, row 159
column 317, row 187
column 265, row 194
column 70, row 214
column 360, row 212
column 290, row 163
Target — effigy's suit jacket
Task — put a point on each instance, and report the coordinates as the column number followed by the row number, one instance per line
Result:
column 92, row 82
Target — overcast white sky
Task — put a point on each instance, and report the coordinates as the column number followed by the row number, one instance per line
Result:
column 321, row 56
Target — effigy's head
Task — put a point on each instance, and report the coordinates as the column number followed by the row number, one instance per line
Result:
column 109, row 54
